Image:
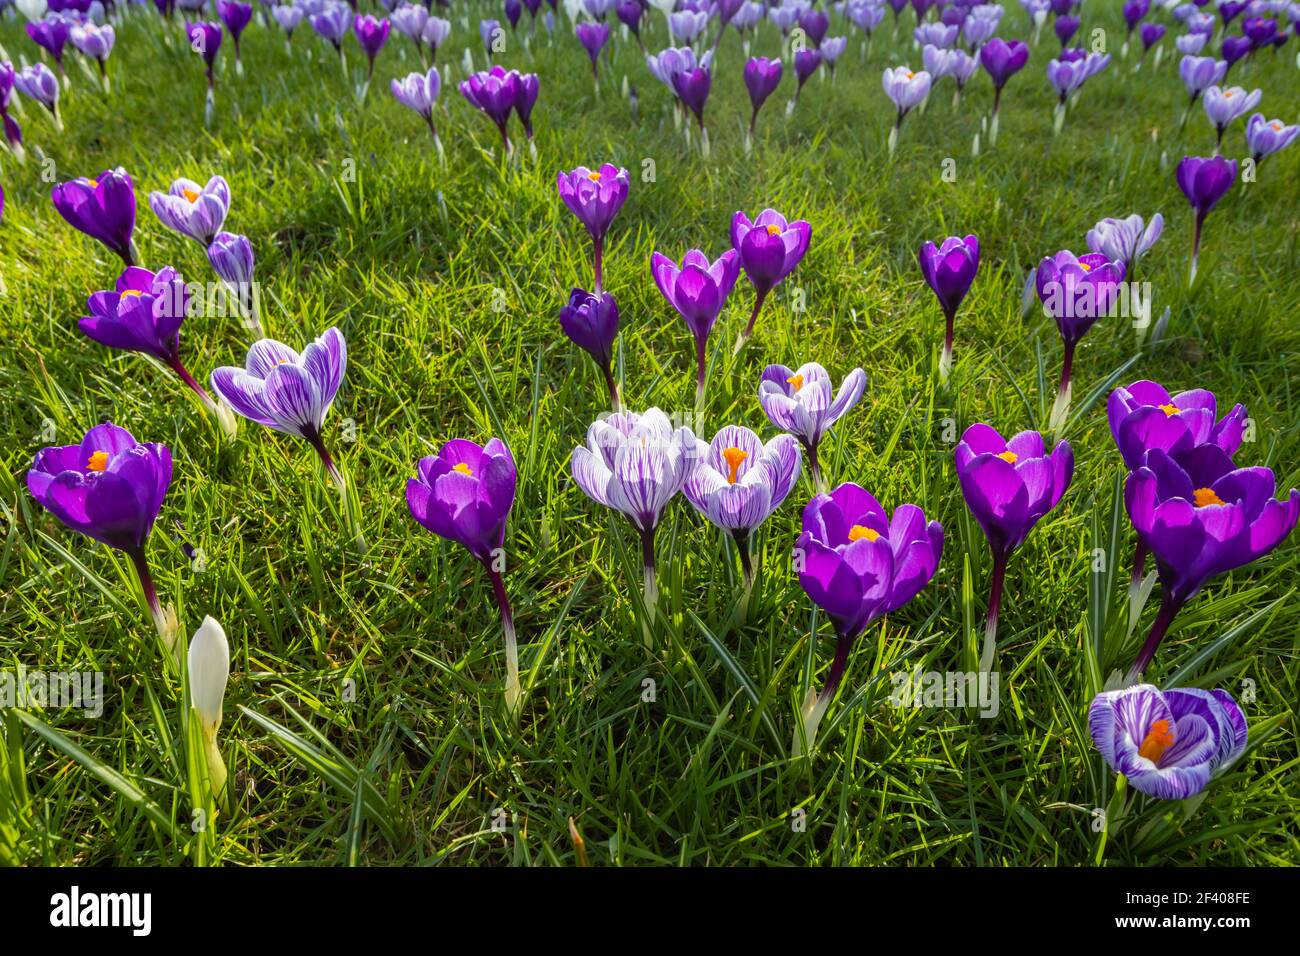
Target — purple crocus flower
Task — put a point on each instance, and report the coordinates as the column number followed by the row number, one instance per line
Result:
column 435, row 34
column 591, row 323
column 464, row 494
column 1151, row 34
column 13, row 133
column 529, row 87
column 96, row 42
column 1134, row 12
column 940, row 35
column 419, row 92
column 831, row 49
column 289, row 17
column 769, row 248
column 1076, row 292
column 905, row 89
column 205, row 40
column 803, row 403
column 410, row 19
column 52, row 35
column 1261, row 31
column 1266, row 137
column 1145, row 415
column 1191, row 44
column 1066, row 27
column 372, row 34
column 692, row 88
column 490, row 32
column 193, row 210
column 1233, row 49
column 231, row 258
column 857, row 563
column 980, row 25
column 495, row 93
column 1125, row 241
column 595, row 196
column 1167, row 744
column 740, row 482
column 514, row 9
column 697, row 290
column 805, row 65
column 629, row 12
column 814, row 23
column 687, row 25
column 103, row 208
column 635, row 464
column 1229, row 10
column 593, row 37
column 762, row 77
column 109, row 487
column 949, row 270
column 1224, row 107
column 1201, row 516
column 1001, row 59
column 41, row 84
column 235, row 16
column 143, row 313
column 1204, row 181
column 1008, row 484
column 1198, row 74
column 331, row 23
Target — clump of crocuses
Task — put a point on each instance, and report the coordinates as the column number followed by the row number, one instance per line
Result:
column 464, row 493
column 1008, row 484
column 949, row 270
column 110, row 487
column 858, row 563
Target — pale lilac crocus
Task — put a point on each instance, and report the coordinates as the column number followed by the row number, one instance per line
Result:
column 905, row 90
column 803, row 403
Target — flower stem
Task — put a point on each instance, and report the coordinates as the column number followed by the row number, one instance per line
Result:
column 945, row 358
column 513, row 691
column 164, row 620
column 816, row 704
column 1196, row 249
column 651, row 588
column 701, row 365
column 183, row 373
column 815, row 469
column 1169, row 608
column 345, row 499
column 598, row 261
column 995, row 603
column 615, row 400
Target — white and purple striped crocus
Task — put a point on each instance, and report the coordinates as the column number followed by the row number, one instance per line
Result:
column 193, row 210
column 1167, row 744
column 231, row 258
column 803, row 403
column 740, row 482
column 635, row 464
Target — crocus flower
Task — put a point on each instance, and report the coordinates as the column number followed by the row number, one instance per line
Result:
column 978, row 28
column 464, row 494
column 1266, row 137
column 1076, row 292
column 1201, row 516
column 593, row 37
column 289, row 17
column 331, row 23
column 629, row 12
column 1224, row 107
column 591, row 323
column 595, row 196
column 1233, row 49
column 1125, row 241
column 143, row 313
column 949, row 270
column 1191, row 44
column 52, row 35
column 1204, row 181
column 435, row 34
column 831, row 49
column 857, row 564
column 806, row 62
column 529, row 87
column 235, row 15
column 514, row 9
column 208, row 663
column 96, row 42
column 410, row 19
column 692, row 87
column 740, row 482
column 1151, row 34
column 814, row 23
column 1066, row 27
column 103, row 208
column 1134, row 11
column 109, row 487
column 1260, row 30
column 1229, row 10
column 205, row 40
column 494, row 92
column 697, row 290
column 490, row 32
column 419, row 91
column 1008, row 484
column 231, row 258
column 635, row 464
column 372, row 34
column 1199, row 73
column 762, row 77
column 803, row 403
column 41, row 84
column 906, row 90
column 193, row 210
column 1001, row 59
column 769, row 248
column 686, row 25
column 1167, row 744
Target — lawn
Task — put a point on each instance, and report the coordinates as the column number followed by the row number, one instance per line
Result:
column 364, row 719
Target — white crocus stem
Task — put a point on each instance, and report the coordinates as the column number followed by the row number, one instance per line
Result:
column 209, row 669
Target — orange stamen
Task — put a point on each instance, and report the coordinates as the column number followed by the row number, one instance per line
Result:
column 1010, row 457
column 1204, row 497
column 98, row 461
column 464, row 469
column 796, row 381
column 858, row 532
column 1159, row 739
column 1169, row 409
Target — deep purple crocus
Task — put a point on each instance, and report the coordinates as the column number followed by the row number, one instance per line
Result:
column 1066, row 27
column 1201, row 516
column 806, row 62
column 804, row 403
column 1233, row 49
column 762, row 77
column 692, row 88
column 109, row 487
column 529, row 87
column 1134, row 12
column 740, row 482
column 949, row 270
column 331, row 23
column 1260, row 30
column 858, row 563
column 205, row 40
column 769, row 248
column 236, row 16
column 1008, row 484
column 103, row 208
column 464, row 493
column 1001, row 59
column 495, row 93
column 1167, row 744
column 629, row 12
column 1076, row 291
column 1204, row 181
column 595, row 196
column 1151, row 34
column 697, row 291
column 593, row 37
column 372, row 34
column 51, row 34
column 40, row 83
column 591, row 323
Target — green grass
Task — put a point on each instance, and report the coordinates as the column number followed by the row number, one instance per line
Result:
column 406, row 257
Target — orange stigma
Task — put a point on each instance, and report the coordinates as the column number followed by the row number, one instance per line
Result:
column 594, row 176
column 1010, row 457
column 910, row 74
column 464, row 469
column 92, row 183
column 191, row 194
column 773, row 229
column 1277, row 125
column 98, row 461
column 1204, row 497
column 733, row 457
column 796, row 381
column 1158, row 739
column 1227, row 94
column 1169, row 409
column 858, row 532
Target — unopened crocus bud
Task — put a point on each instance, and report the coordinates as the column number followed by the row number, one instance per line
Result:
column 209, row 669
